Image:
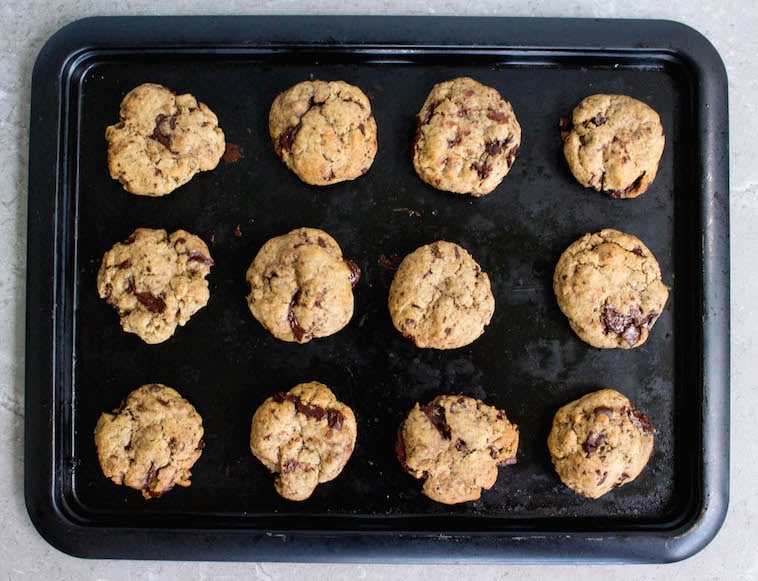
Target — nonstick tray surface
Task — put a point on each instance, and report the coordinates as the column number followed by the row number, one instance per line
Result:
column 528, row 362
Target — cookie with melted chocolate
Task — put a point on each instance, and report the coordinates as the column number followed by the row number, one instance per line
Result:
column 301, row 287
column 600, row 442
column 608, row 284
column 305, row 436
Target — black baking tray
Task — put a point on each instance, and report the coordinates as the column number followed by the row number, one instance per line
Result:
column 79, row 362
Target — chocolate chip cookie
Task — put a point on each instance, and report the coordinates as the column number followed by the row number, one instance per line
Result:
column 467, row 138
column 456, row 443
column 301, row 287
column 324, row 131
column 440, row 298
column 305, row 436
column 613, row 143
column 600, row 442
column 151, row 441
column 609, row 286
column 162, row 140
column 155, row 281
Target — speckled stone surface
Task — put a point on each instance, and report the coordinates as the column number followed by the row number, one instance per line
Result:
column 730, row 26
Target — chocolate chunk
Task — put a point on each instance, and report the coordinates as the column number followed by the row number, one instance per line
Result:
column 457, row 253
column 482, row 169
column 232, row 153
column 197, row 256
column 163, row 402
column 494, row 147
column 153, row 303
column 599, row 119
column 335, row 419
column 603, row 410
column 158, row 135
column 126, row 264
column 154, row 388
column 497, row 116
column 623, row 478
column 310, row 411
column 362, row 128
column 448, row 330
column 201, row 445
column 400, row 448
column 436, row 415
column 297, row 330
column 129, row 240
column 460, row 445
column 641, row 422
column 593, row 442
column 626, row 326
column 355, row 272
column 436, row 251
column 638, row 251
column 565, row 126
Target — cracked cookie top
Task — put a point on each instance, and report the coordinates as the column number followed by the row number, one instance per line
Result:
column 467, row 138
column 305, row 436
column 151, row 441
column 301, row 287
column 155, row 281
column 613, row 143
column 609, row 286
column 599, row 442
column 440, row 298
column 162, row 140
column 456, row 443
column 323, row 131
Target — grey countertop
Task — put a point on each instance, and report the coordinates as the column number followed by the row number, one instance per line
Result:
column 730, row 26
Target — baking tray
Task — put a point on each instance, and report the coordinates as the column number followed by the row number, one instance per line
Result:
column 79, row 362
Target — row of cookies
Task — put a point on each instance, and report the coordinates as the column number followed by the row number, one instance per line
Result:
column 466, row 139
column 608, row 284
column 306, row 436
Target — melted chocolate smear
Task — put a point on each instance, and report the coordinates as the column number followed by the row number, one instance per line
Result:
column 164, row 140
column 496, row 147
column 355, row 272
column 151, row 302
column 232, row 153
column 603, row 410
column 482, row 169
column 130, row 286
column 641, row 422
column 126, row 264
column 297, row 330
column 436, row 415
column 592, row 443
column 391, row 262
column 197, row 256
column 287, row 138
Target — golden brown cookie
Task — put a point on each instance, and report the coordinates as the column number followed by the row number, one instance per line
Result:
column 151, row 441
column 456, row 443
column 599, row 442
column 613, row 143
column 467, row 138
column 609, row 286
column 305, row 436
column 440, row 298
column 324, row 131
column 301, row 287
column 162, row 140
column 155, row 281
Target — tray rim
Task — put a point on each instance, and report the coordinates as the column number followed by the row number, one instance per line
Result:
column 220, row 33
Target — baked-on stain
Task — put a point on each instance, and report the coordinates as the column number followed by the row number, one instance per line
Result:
column 232, row 153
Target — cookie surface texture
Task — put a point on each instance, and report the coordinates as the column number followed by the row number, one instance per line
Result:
column 324, row 131
column 440, row 298
column 456, row 443
column 600, row 442
column 161, row 140
column 609, row 286
column 613, row 144
column 151, row 441
column 156, row 282
column 466, row 139
column 304, row 436
column 301, row 287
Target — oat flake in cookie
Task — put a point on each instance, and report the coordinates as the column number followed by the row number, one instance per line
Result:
column 467, row 138
column 301, row 287
column 151, row 441
column 323, row 131
column 305, row 436
column 440, row 298
column 155, row 281
column 162, row 140
column 609, row 286
column 599, row 442
column 613, row 143
column 456, row 443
